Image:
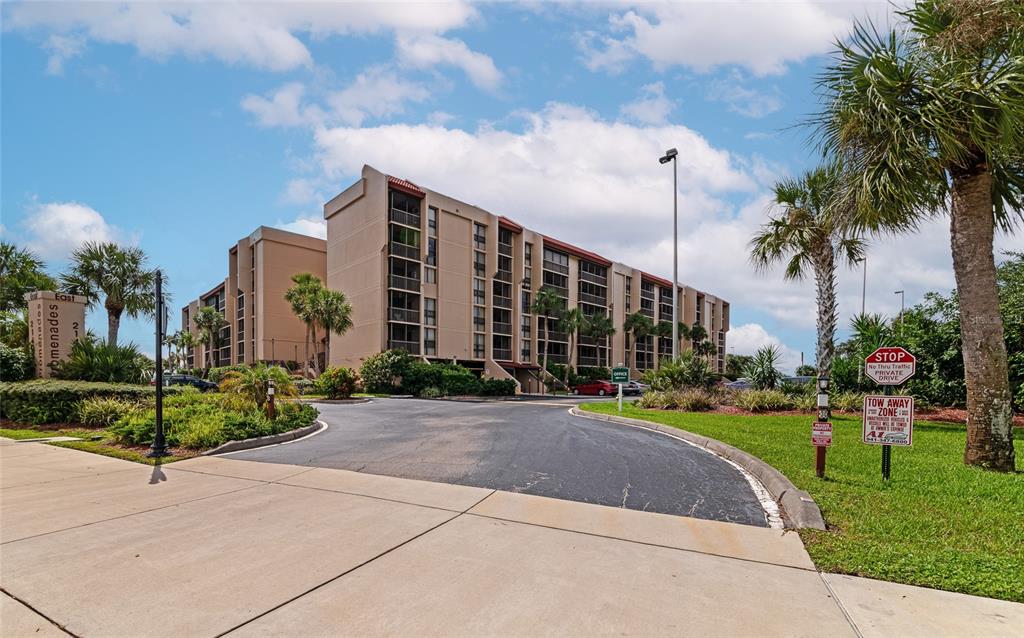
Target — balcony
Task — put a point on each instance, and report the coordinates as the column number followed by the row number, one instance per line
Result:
column 586, row 297
column 594, row 279
column 588, row 362
column 412, row 347
column 503, row 302
column 553, row 267
column 501, row 328
column 404, row 218
column 404, row 315
column 404, row 283
column 404, row 250
column 503, row 275
column 502, row 354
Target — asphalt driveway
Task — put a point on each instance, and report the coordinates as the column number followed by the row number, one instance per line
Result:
column 528, row 447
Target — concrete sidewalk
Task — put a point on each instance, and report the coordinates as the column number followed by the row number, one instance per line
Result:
column 215, row 546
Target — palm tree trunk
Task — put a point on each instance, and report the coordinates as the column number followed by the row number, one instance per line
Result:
column 989, row 415
column 825, row 282
column 305, row 354
column 634, row 351
column 113, row 325
column 544, row 365
column 316, row 352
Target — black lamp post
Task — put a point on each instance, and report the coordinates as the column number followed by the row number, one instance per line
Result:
column 159, row 446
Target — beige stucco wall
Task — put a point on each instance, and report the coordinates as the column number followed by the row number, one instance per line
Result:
column 55, row 321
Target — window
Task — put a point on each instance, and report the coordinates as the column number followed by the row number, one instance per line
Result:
column 405, row 337
column 479, row 292
column 432, row 221
column 479, row 236
column 405, row 209
column 430, row 275
column 479, row 264
column 430, row 311
column 526, row 303
column 528, row 265
column 478, row 346
column 431, row 251
column 430, row 342
column 558, row 262
column 629, row 294
column 502, row 348
column 479, row 318
column 525, row 329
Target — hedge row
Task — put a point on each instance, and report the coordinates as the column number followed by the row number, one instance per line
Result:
column 54, row 401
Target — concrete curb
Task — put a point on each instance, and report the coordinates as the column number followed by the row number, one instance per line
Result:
column 355, row 401
column 798, row 508
column 260, row 441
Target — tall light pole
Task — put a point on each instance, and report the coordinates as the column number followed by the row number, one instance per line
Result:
column 670, row 156
column 900, row 293
column 864, row 287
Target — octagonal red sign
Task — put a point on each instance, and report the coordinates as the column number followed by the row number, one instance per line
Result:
column 890, row 365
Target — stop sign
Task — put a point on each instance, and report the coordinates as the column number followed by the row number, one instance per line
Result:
column 890, row 366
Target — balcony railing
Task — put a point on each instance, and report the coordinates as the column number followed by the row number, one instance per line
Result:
column 403, row 250
column 412, row 347
column 501, row 354
column 503, row 302
column 553, row 336
column 503, row 275
column 588, row 362
column 405, row 315
column 586, row 297
column 594, row 279
column 553, row 267
column 402, row 217
column 404, row 283
column 505, row 249
column 502, row 328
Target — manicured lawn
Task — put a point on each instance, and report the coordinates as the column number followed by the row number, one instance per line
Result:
column 937, row 523
column 101, row 445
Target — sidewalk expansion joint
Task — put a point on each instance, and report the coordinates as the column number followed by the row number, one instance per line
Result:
column 37, row 612
column 130, row 514
column 649, row 544
column 842, row 608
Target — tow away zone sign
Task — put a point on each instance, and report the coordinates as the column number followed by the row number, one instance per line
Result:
column 888, row 420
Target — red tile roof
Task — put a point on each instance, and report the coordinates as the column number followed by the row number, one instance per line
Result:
column 406, row 186
column 509, row 224
column 550, row 242
column 665, row 283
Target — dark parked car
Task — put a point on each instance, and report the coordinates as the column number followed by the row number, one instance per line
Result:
column 600, row 388
column 187, row 379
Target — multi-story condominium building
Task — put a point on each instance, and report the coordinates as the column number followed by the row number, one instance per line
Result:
column 449, row 281
column 260, row 323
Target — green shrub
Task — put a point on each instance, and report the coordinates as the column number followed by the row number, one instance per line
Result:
column 457, row 380
column 585, row 373
column 304, row 385
column 381, row 372
column 55, row 401
column 763, row 400
column 687, row 400
column 762, row 369
column 688, row 371
column 104, row 411
column 201, row 430
column 15, row 363
column 93, row 360
column 847, row 402
column 338, row 383
column 217, row 374
column 239, row 426
column 253, row 383
column 419, row 375
column 294, row 415
column 431, row 392
column 497, row 387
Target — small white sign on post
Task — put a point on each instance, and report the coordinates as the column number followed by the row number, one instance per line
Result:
column 888, row 420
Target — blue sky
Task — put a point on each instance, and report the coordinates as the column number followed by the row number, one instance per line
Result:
column 183, row 127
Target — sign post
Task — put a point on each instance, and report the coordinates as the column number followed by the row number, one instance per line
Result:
column 888, row 419
column 821, row 430
column 620, row 375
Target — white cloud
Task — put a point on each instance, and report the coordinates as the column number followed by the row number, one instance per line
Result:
column 652, row 107
column 428, row 50
column 61, row 49
column 440, row 118
column 763, row 37
column 741, row 99
column 283, row 107
column 304, row 190
column 313, row 225
column 261, row 35
column 55, row 229
column 377, row 92
column 750, row 337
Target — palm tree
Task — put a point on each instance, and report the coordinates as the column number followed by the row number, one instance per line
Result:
column 253, row 382
column 21, row 272
column 570, row 323
column 546, row 303
column 663, row 330
column 120, row 275
column 186, row 341
column 684, row 334
column 303, row 297
column 335, row 317
column 929, row 117
column 808, row 234
column 639, row 326
column 209, row 321
column 598, row 327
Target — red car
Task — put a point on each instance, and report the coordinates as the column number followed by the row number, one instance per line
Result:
column 600, row 388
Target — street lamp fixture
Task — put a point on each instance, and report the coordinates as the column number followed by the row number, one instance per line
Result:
column 670, row 156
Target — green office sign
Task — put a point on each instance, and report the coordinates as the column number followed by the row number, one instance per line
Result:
column 620, row 375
